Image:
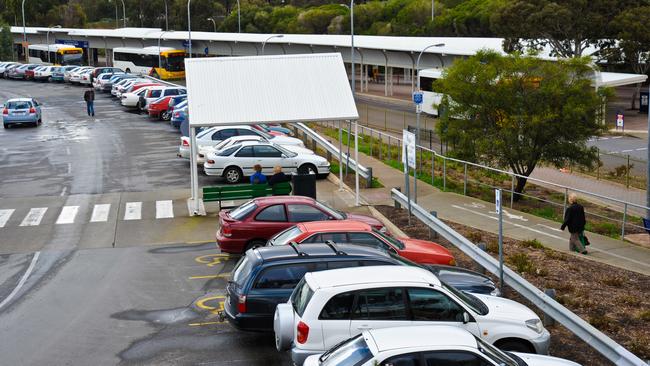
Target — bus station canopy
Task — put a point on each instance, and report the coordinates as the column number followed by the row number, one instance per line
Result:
column 259, row 89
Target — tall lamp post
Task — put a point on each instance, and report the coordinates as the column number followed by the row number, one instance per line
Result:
column 213, row 23
column 266, row 40
column 189, row 27
column 159, row 37
column 417, row 114
column 48, row 42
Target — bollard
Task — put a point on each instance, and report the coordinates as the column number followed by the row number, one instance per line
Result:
column 432, row 233
column 397, row 205
column 547, row 320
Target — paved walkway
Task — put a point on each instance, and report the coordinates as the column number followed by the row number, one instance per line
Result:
column 517, row 225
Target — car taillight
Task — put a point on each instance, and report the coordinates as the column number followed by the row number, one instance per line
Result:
column 226, row 230
column 32, row 110
column 303, row 332
column 241, row 304
column 5, row 111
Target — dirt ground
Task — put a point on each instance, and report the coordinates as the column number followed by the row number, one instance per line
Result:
column 613, row 300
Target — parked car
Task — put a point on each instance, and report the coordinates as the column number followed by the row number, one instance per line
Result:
column 360, row 233
column 237, row 162
column 43, row 73
column 58, row 74
column 214, row 135
column 253, row 223
column 265, row 277
column 425, row 345
column 21, row 111
column 328, row 307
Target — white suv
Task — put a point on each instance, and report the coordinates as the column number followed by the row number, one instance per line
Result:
column 424, row 345
column 330, row 306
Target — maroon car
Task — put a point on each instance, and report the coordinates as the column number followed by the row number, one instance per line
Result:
column 257, row 220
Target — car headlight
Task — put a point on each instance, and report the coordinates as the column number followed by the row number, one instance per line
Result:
column 535, row 324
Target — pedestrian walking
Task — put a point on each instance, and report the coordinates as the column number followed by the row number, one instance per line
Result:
column 574, row 219
column 89, row 97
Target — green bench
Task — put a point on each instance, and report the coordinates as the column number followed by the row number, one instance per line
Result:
column 244, row 191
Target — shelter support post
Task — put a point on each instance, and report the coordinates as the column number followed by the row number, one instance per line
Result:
column 195, row 203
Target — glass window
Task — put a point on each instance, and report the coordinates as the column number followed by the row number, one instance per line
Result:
column 301, row 296
column 245, row 152
column 352, row 352
column 303, row 213
column 338, row 307
column 286, row 277
column 380, row 304
column 412, row 359
column 366, row 239
column 273, row 213
column 265, row 151
column 454, row 358
column 431, row 305
column 243, row 211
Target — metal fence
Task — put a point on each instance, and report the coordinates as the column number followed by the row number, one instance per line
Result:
column 469, row 178
column 595, row 338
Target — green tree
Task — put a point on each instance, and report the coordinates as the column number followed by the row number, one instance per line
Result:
column 518, row 111
column 6, row 43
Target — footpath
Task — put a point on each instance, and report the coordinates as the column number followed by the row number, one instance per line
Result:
column 516, row 225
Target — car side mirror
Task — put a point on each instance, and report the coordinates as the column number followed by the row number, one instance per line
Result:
column 466, row 318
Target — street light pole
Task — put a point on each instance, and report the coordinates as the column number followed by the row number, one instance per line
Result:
column 213, row 23
column 418, row 111
column 189, row 27
column 238, row 17
column 266, row 40
column 48, row 42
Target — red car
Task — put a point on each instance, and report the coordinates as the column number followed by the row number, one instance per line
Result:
column 256, row 221
column 354, row 232
column 158, row 107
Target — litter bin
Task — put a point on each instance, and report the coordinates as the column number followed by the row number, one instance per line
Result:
column 643, row 102
column 304, row 185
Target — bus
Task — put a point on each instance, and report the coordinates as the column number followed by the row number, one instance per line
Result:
column 59, row 54
column 145, row 61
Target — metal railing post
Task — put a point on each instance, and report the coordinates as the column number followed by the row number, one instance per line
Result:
column 512, row 191
column 624, row 220
column 444, row 174
column 465, row 182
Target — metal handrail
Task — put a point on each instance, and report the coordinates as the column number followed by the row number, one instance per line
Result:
column 585, row 331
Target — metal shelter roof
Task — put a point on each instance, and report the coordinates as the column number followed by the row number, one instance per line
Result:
column 254, row 89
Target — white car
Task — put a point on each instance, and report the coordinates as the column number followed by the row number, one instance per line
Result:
column 237, row 162
column 205, row 150
column 86, row 76
column 214, row 135
column 43, row 73
column 131, row 100
column 425, row 345
column 330, row 306
column 75, row 76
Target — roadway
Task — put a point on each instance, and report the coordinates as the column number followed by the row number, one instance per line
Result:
column 99, row 262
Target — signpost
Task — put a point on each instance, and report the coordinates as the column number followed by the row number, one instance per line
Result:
column 497, row 202
column 408, row 159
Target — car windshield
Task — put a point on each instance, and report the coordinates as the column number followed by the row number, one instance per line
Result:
column 242, row 211
column 301, row 296
column 499, row 357
column 19, row 105
column 390, row 239
column 469, row 300
column 332, row 212
column 353, row 351
column 285, row 237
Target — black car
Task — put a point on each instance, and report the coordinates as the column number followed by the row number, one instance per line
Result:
column 266, row 276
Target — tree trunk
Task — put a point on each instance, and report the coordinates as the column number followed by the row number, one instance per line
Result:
column 519, row 188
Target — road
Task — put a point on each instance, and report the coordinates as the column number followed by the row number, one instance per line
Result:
column 99, row 262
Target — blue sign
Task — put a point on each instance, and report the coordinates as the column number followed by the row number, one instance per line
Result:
column 417, row 97
column 72, row 42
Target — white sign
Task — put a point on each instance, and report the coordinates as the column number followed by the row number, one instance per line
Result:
column 409, row 143
column 497, row 200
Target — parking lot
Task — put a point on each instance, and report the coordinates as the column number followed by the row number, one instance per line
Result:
column 82, row 290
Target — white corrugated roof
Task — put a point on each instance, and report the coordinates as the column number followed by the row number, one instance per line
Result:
column 286, row 88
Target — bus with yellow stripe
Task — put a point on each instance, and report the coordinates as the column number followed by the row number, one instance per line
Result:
column 162, row 63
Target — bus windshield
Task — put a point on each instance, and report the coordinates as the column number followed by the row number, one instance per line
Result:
column 174, row 62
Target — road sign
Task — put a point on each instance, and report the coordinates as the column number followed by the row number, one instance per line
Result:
column 619, row 120
column 418, row 97
column 497, row 200
column 409, row 143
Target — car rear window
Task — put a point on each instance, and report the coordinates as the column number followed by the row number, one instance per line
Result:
column 19, row 105
column 243, row 211
column 301, row 296
column 242, row 270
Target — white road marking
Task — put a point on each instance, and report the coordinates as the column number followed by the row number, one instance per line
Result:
column 100, row 212
column 22, row 281
column 5, row 215
column 164, row 209
column 67, row 215
column 133, row 211
column 34, row 217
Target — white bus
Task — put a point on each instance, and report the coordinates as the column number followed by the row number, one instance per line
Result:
column 59, row 54
column 145, row 61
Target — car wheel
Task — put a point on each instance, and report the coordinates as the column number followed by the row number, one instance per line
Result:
column 515, row 345
column 307, row 169
column 233, row 175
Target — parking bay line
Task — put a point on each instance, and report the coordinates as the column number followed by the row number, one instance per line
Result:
column 5, row 215
column 34, row 216
column 67, row 215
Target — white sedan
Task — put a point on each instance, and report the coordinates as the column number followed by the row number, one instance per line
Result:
column 427, row 345
column 237, row 162
column 215, row 135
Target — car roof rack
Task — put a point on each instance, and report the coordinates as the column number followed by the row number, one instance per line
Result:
column 295, row 247
column 336, row 250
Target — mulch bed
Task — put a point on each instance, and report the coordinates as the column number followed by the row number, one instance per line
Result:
column 613, row 300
